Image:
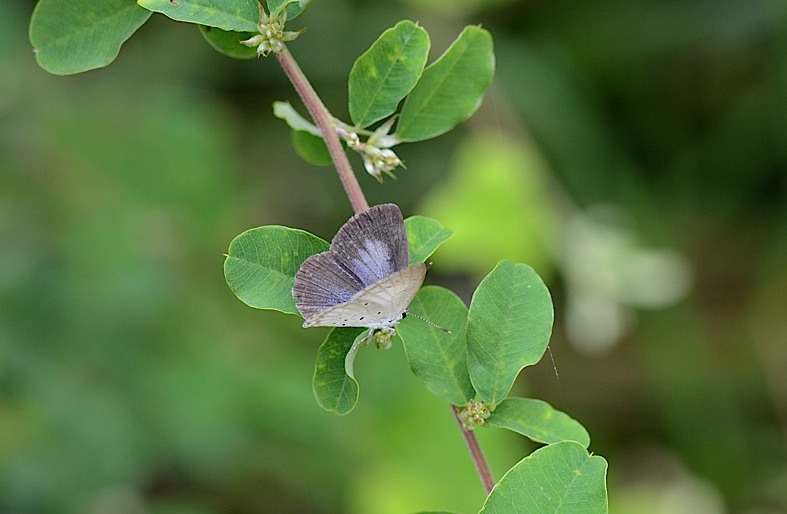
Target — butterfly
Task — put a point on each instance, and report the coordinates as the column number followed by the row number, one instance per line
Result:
column 364, row 279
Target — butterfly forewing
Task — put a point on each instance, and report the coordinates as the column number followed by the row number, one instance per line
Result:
column 379, row 305
column 372, row 245
column 364, row 280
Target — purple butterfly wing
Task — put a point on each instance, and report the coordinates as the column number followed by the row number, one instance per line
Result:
column 321, row 283
column 371, row 246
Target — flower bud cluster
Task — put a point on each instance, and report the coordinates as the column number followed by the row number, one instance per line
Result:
column 271, row 35
column 376, row 160
column 473, row 414
column 383, row 338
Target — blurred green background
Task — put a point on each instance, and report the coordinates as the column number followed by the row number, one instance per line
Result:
column 633, row 152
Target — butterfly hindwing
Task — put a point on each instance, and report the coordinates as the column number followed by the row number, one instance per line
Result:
column 321, row 283
column 364, row 280
column 379, row 305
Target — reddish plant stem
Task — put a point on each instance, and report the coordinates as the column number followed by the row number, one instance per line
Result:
column 481, row 465
column 325, row 123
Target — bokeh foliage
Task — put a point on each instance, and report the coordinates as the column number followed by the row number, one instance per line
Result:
column 130, row 375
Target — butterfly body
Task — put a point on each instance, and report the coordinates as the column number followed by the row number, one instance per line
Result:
column 365, row 279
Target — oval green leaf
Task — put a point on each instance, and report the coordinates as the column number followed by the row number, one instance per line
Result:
column 228, row 43
column 81, row 35
column 261, row 265
column 230, row 15
column 333, row 388
column 438, row 359
column 538, row 421
column 508, row 328
column 451, row 89
column 424, row 236
column 294, row 7
column 312, row 149
column 385, row 73
column 559, row 478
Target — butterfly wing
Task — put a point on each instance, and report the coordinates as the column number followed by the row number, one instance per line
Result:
column 381, row 304
column 321, row 282
column 372, row 245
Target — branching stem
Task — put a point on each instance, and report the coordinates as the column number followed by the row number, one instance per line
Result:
column 481, row 465
column 324, row 121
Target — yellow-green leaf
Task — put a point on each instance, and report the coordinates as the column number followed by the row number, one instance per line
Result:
column 385, row 73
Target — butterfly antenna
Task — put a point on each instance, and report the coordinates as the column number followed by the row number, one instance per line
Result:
column 408, row 313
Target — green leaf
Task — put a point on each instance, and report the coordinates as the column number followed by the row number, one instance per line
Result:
column 80, row 35
column 508, row 328
column 311, row 148
column 424, row 236
column 538, row 421
column 334, row 389
column 438, row 359
column 559, row 478
column 294, row 7
column 230, row 15
column 385, row 73
column 285, row 111
column 261, row 265
column 228, row 42
column 451, row 89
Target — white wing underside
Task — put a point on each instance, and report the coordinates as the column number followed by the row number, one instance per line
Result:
column 381, row 304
